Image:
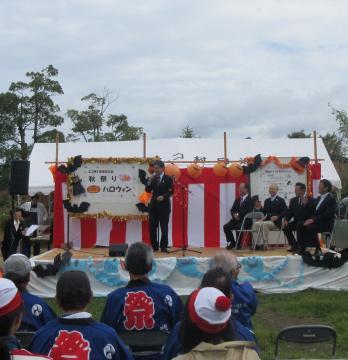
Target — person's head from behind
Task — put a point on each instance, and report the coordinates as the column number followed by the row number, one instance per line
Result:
column 17, row 268
column 206, row 318
column 300, row 189
column 158, row 167
column 243, row 189
column 273, row 190
column 138, row 260
column 227, row 262
column 11, row 308
column 325, row 186
column 73, row 291
column 218, row 278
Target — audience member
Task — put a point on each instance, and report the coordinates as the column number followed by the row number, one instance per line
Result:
column 142, row 304
column 240, row 208
column 274, row 210
column 322, row 220
column 301, row 207
column 75, row 334
column 13, row 233
column 36, row 311
column 244, row 302
column 206, row 331
column 11, row 307
column 217, row 278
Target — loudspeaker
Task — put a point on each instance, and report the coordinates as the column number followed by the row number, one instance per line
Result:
column 19, row 177
column 116, row 250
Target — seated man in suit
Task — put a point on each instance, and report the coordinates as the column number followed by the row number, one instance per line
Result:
column 274, row 209
column 13, row 233
column 322, row 219
column 301, row 207
column 240, row 208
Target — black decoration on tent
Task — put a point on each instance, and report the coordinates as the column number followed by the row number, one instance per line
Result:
column 73, row 165
column 83, row 207
column 142, row 207
column 248, row 169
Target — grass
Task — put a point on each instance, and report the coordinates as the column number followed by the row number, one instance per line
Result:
column 278, row 311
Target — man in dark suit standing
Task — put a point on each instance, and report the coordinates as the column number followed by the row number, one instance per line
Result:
column 322, row 219
column 161, row 186
column 301, row 207
column 240, row 208
column 274, row 209
column 13, row 233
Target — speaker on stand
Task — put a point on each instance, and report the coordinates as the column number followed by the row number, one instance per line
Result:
column 19, row 178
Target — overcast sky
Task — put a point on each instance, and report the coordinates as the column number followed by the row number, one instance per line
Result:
column 253, row 68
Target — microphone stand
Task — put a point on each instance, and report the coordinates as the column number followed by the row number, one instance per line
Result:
column 184, row 248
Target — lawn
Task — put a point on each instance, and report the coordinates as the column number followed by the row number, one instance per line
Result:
column 277, row 311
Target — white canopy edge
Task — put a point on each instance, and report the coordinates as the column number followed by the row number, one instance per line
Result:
column 41, row 180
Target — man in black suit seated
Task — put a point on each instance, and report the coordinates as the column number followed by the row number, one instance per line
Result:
column 274, row 210
column 240, row 208
column 161, row 186
column 13, row 233
column 301, row 207
column 322, row 219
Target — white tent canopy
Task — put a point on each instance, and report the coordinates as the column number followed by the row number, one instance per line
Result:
column 43, row 154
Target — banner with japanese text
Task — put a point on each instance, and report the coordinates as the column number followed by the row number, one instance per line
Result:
column 110, row 188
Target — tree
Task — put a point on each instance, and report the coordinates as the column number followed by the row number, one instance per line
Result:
column 93, row 124
column 188, row 132
column 27, row 108
column 334, row 146
column 298, row 135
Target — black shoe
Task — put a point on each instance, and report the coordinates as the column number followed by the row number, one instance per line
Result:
column 164, row 250
column 230, row 246
column 155, row 249
column 292, row 249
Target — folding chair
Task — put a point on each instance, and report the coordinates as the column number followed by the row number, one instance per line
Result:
column 306, row 334
column 254, row 216
column 25, row 337
column 144, row 344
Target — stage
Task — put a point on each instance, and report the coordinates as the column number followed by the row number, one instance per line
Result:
column 272, row 271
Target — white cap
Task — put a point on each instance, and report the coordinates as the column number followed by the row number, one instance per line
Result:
column 10, row 299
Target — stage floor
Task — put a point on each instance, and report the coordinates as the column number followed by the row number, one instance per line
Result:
column 102, row 253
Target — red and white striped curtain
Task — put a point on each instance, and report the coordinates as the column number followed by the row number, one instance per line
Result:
column 200, row 208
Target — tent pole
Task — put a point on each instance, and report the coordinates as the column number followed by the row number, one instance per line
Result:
column 225, row 147
column 315, row 146
column 57, row 147
column 144, row 145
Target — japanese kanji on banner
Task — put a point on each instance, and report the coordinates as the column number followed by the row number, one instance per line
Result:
column 109, row 188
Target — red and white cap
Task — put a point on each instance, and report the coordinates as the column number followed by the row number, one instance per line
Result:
column 10, row 298
column 209, row 309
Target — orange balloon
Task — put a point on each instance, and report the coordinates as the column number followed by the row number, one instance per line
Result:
column 235, row 169
column 194, row 170
column 220, row 169
column 172, row 170
column 145, row 197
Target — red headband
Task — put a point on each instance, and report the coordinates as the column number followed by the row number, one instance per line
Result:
column 13, row 305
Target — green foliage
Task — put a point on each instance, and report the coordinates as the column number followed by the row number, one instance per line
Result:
column 298, row 135
column 49, row 136
column 334, row 146
column 188, row 132
column 27, row 109
column 93, row 124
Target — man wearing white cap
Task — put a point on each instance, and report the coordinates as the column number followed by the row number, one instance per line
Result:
column 36, row 311
column 11, row 307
